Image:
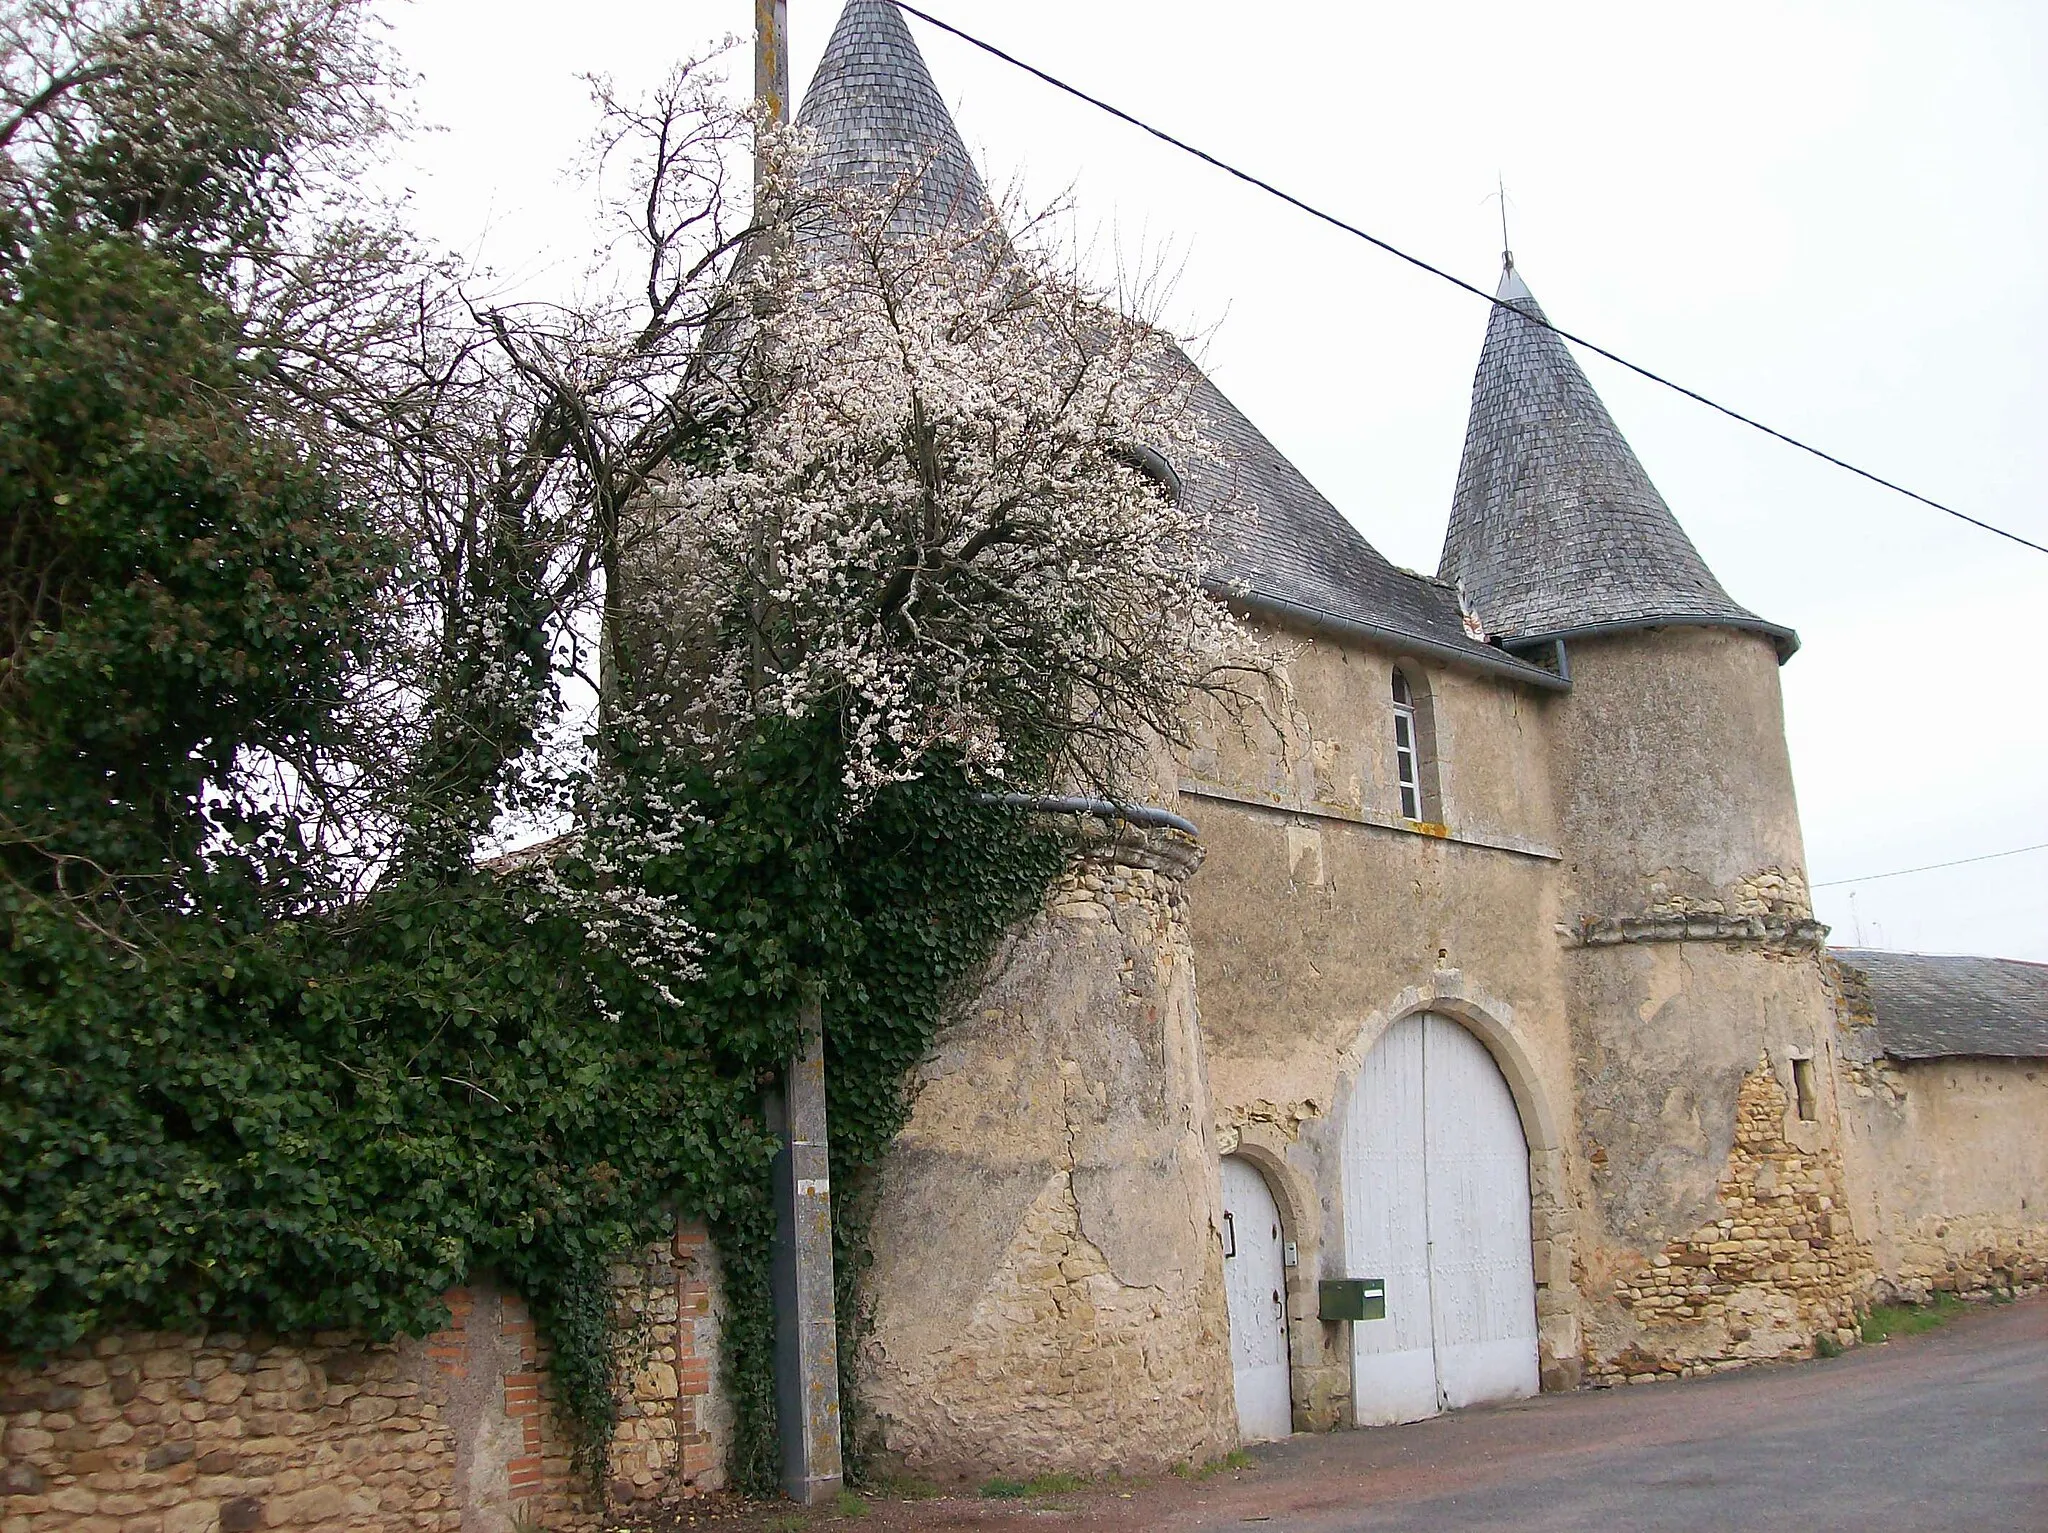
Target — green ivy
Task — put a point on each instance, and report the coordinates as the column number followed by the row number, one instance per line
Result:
column 325, row 1125
column 227, row 1105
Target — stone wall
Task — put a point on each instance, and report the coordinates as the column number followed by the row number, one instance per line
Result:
column 1690, row 952
column 142, row 1433
column 1779, row 1266
column 1948, row 1167
column 1321, row 917
column 1047, row 1286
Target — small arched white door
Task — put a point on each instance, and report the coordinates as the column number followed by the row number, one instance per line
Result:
column 1436, row 1201
column 1255, row 1285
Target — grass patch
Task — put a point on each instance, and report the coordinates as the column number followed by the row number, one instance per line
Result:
column 1236, row 1458
column 1887, row 1320
column 847, row 1504
column 1055, row 1483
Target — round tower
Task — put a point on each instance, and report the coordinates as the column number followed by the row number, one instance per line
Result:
column 1706, row 1131
column 1047, row 1288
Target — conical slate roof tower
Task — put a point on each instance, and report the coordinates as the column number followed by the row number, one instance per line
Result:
column 878, row 119
column 1556, row 530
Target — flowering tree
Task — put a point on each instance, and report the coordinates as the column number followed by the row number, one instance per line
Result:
column 302, row 538
column 950, row 517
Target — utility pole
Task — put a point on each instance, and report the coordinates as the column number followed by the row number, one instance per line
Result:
column 771, row 75
column 806, row 1327
column 806, row 1324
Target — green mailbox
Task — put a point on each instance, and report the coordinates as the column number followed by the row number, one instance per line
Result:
column 1352, row 1299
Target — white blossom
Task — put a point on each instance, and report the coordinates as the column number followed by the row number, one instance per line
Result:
column 944, row 514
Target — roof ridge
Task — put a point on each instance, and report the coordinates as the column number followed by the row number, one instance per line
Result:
column 1894, row 952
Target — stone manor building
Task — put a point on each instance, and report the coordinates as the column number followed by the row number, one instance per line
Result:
column 1490, row 975
column 1455, row 1028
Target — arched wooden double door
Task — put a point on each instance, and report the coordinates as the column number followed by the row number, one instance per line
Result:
column 1436, row 1202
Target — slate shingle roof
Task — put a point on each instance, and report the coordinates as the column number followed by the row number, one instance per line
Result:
column 1278, row 537
column 877, row 117
column 1555, row 527
column 1931, row 1006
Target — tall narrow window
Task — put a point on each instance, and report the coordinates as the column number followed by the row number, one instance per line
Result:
column 1407, row 760
column 1802, row 1090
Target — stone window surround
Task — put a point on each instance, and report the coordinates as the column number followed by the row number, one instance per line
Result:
column 1418, row 707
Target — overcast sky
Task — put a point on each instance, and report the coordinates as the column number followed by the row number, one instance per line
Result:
column 1832, row 216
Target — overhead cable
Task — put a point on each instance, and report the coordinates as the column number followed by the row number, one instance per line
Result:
column 1868, row 878
column 1436, row 271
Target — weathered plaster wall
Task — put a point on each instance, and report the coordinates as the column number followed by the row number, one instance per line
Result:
column 1674, row 785
column 1948, row 1166
column 143, row 1433
column 1777, row 1265
column 1320, row 919
column 1322, row 737
column 1691, row 954
column 1664, row 1034
column 1047, row 1286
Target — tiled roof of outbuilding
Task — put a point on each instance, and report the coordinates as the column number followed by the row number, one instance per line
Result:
column 877, row 117
column 1933, row 1006
column 1555, row 527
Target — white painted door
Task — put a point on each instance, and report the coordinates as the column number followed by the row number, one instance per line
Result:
column 1436, row 1201
column 1255, row 1281
column 1386, row 1228
column 1481, row 1276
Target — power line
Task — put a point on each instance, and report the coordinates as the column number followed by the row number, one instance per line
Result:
column 1436, row 271
column 1836, row 883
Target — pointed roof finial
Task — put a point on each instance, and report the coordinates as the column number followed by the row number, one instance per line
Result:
column 1556, row 529
column 878, row 119
column 1507, row 254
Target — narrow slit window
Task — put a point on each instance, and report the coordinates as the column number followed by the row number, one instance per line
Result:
column 1802, row 1090
column 1406, row 763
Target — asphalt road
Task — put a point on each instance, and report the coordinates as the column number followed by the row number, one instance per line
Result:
column 1943, row 1431
column 1920, row 1435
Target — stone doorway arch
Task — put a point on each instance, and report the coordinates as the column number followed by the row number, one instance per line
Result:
column 1553, row 1214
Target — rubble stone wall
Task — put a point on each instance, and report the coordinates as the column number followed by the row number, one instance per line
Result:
column 1948, row 1164
column 220, row 1433
column 1779, row 1266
